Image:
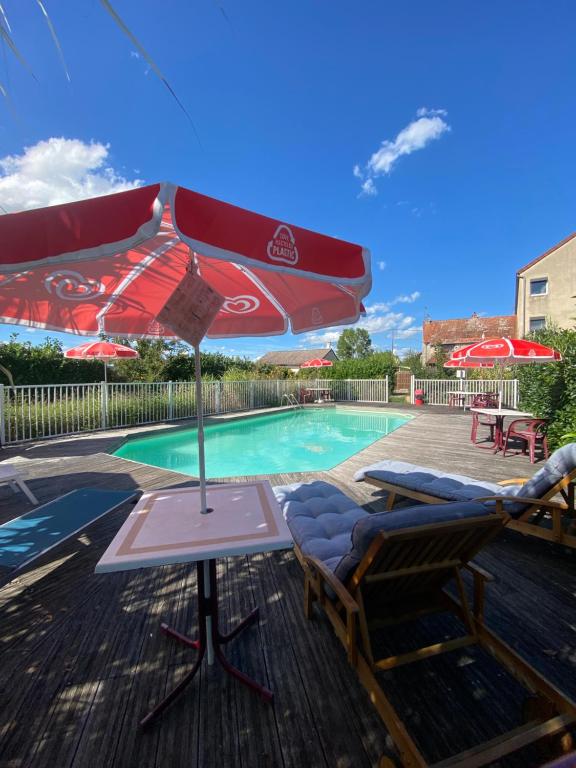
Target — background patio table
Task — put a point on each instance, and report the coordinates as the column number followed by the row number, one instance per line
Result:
column 500, row 414
column 168, row 527
column 319, row 392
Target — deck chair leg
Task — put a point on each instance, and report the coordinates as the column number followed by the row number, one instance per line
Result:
column 466, row 614
column 390, row 500
column 26, row 491
column 309, row 597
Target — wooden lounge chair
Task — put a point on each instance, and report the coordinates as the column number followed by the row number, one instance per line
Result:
column 395, row 569
column 530, row 502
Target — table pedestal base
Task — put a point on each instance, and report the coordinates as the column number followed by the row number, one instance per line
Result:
column 208, row 609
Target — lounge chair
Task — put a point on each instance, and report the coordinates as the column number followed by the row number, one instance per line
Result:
column 369, row 571
column 9, row 473
column 26, row 538
column 527, row 501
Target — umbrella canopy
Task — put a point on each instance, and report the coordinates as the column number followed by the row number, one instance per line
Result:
column 101, row 350
column 317, row 363
column 109, row 264
column 505, row 351
column 466, row 364
column 112, row 264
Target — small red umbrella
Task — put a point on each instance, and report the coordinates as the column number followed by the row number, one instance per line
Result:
column 101, row 350
column 317, row 363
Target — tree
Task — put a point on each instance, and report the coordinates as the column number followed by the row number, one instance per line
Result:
column 354, row 343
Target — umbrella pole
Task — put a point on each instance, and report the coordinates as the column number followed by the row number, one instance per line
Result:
column 203, row 503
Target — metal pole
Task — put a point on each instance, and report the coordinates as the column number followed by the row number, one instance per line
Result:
column 203, row 503
column 200, row 421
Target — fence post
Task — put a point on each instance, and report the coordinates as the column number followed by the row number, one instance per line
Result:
column 348, row 390
column 217, row 396
column 412, row 387
column 251, row 395
column 387, row 392
column 170, row 400
column 103, row 405
column 2, row 417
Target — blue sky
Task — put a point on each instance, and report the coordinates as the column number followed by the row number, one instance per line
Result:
column 458, row 117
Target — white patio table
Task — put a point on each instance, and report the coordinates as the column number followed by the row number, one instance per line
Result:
column 500, row 414
column 167, row 527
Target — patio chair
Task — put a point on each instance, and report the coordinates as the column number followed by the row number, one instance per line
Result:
column 483, row 400
column 370, row 571
column 529, row 502
column 10, row 474
column 530, row 432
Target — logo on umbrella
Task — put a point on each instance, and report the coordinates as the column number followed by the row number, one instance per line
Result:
column 282, row 247
column 240, row 305
column 72, row 286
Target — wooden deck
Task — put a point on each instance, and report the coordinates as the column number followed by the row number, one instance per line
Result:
column 82, row 658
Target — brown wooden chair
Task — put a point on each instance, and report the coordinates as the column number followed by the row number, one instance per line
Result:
column 402, row 575
column 542, row 506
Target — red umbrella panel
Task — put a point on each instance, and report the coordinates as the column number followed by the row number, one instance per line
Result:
column 101, row 350
column 112, row 264
column 109, row 265
column 466, row 364
column 317, row 363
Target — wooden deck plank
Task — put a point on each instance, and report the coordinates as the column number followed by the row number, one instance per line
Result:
column 82, row 658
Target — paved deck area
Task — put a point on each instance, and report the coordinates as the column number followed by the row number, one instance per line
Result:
column 82, row 658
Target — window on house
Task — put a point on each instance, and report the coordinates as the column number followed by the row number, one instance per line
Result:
column 537, row 322
column 539, row 287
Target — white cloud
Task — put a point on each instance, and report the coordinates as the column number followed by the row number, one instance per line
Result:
column 58, row 170
column 381, row 265
column 407, row 299
column 428, row 126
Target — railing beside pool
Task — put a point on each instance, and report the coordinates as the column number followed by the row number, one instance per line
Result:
column 437, row 391
column 55, row 410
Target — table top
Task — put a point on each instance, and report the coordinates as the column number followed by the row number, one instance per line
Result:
column 503, row 412
column 167, row 527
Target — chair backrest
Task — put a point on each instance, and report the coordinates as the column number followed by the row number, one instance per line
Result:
column 413, row 565
column 485, row 400
column 527, row 425
column 558, row 471
column 431, row 539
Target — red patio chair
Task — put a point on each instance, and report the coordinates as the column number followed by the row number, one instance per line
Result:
column 531, row 432
column 483, row 400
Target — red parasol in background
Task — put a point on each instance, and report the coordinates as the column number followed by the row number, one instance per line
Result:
column 101, row 350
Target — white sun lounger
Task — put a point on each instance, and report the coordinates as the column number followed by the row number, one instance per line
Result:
column 10, row 474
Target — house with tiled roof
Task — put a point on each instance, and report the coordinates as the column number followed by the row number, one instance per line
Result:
column 452, row 334
column 546, row 289
column 293, row 358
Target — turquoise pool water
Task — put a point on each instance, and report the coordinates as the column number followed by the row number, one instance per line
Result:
column 301, row 440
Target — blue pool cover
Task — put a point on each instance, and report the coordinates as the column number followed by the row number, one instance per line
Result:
column 25, row 538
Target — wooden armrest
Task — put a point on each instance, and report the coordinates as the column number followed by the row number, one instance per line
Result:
column 326, row 574
column 479, row 572
column 525, row 500
column 514, row 481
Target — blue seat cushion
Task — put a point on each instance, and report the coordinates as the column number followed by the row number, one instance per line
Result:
column 434, row 482
column 366, row 529
column 320, row 518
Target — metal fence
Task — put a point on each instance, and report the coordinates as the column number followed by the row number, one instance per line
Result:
column 438, row 391
column 54, row 410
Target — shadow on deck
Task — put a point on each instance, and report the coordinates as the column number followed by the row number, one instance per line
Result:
column 82, row 657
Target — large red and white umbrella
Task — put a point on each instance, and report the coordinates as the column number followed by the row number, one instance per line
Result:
column 505, row 351
column 317, row 363
column 101, row 350
column 111, row 264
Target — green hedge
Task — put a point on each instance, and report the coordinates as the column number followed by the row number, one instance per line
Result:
column 549, row 390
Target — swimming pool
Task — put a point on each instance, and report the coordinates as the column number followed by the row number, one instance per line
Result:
column 301, row 440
